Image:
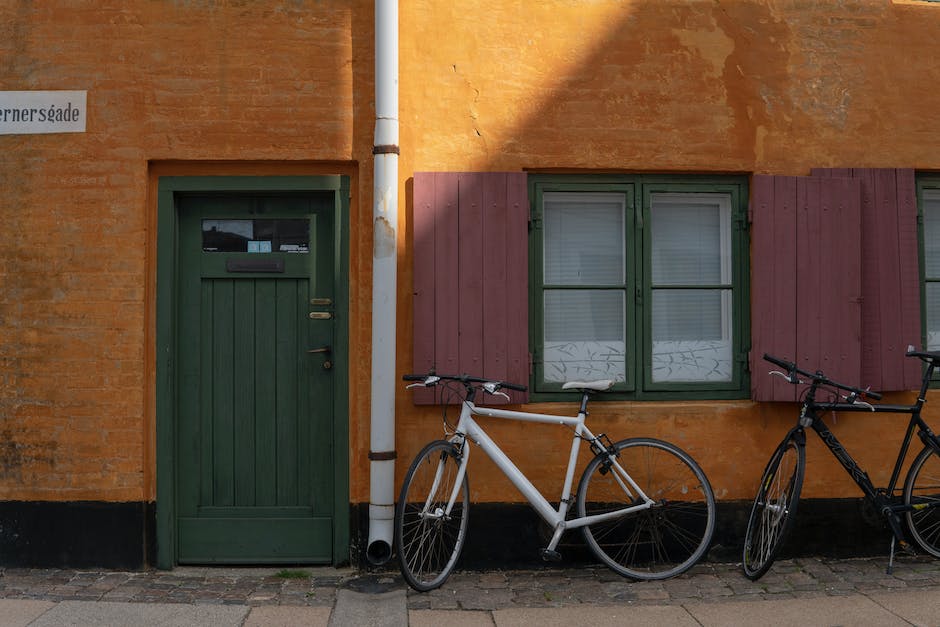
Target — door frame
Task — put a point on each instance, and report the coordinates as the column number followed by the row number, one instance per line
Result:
column 167, row 288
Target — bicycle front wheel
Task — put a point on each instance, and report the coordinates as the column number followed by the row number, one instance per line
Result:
column 922, row 492
column 429, row 530
column 774, row 507
column 663, row 540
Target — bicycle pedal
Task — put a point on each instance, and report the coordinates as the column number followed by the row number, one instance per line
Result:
column 550, row 556
column 907, row 548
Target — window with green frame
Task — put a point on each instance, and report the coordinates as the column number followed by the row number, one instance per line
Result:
column 642, row 280
column 928, row 200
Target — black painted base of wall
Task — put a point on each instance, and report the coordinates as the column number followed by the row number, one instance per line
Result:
column 510, row 535
column 78, row 534
column 92, row 534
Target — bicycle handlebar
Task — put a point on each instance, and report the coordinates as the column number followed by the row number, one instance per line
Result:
column 462, row 378
column 817, row 378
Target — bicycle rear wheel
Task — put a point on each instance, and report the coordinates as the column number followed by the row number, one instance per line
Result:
column 655, row 543
column 428, row 536
column 774, row 507
column 922, row 490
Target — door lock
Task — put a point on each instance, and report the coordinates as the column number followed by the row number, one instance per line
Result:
column 326, row 350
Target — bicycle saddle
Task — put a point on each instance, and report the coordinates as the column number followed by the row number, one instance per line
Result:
column 600, row 386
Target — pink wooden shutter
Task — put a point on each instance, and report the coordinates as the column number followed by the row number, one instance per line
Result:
column 890, row 276
column 471, row 277
column 805, row 273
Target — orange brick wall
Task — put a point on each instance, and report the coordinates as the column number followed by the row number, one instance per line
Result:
column 173, row 88
column 285, row 86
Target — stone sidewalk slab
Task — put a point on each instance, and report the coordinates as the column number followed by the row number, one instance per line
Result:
column 596, row 616
column 109, row 614
column 362, row 609
column 22, row 613
column 288, row 616
column 917, row 608
column 450, row 618
column 855, row 610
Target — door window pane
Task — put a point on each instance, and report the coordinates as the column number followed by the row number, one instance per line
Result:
column 256, row 236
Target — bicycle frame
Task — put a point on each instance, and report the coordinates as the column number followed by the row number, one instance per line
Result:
column 811, row 416
column 468, row 428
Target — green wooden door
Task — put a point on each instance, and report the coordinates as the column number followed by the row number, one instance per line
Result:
column 254, row 438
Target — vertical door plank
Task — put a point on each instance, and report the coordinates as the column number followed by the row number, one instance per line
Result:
column 223, row 461
column 304, row 442
column 243, row 339
column 265, row 385
column 286, row 391
column 207, row 368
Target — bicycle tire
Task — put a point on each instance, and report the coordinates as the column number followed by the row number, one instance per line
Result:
column 430, row 544
column 774, row 507
column 655, row 543
column 922, row 486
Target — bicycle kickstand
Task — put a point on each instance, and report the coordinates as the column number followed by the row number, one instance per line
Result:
column 891, row 556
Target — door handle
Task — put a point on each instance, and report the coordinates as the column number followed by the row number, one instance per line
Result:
column 322, row 349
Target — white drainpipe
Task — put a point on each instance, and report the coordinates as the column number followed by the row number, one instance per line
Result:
column 384, row 284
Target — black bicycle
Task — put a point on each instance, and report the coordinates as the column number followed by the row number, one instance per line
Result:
column 918, row 504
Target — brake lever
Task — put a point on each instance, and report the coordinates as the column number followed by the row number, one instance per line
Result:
column 794, row 380
column 853, row 399
column 493, row 389
column 430, row 381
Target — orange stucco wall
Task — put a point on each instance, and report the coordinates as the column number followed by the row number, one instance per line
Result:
column 285, row 87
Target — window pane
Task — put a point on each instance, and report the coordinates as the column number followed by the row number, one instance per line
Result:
column 584, row 335
column 691, row 335
column 932, row 296
column 690, row 239
column 932, row 234
column 583, row 238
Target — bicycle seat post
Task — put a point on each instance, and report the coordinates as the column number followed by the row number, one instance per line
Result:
column 585, row 395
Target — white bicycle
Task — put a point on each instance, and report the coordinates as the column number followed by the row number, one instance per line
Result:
column 644, row 506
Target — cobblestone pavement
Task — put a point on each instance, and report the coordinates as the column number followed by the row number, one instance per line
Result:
column 467, row 590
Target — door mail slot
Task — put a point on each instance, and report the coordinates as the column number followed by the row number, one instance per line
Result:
column 254, row 265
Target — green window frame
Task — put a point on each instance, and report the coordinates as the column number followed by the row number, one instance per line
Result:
column 581, row 227
column 928, row 227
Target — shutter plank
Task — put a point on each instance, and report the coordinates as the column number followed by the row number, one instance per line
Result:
column 446, row 274
column 890, row 283
column 517, row 277
column 423, row 281
column 496, row 287
column 805, row 279
column 470, row 278
column 808, row 272
column 909, row 281
column 840, row 280
column 470, row 256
